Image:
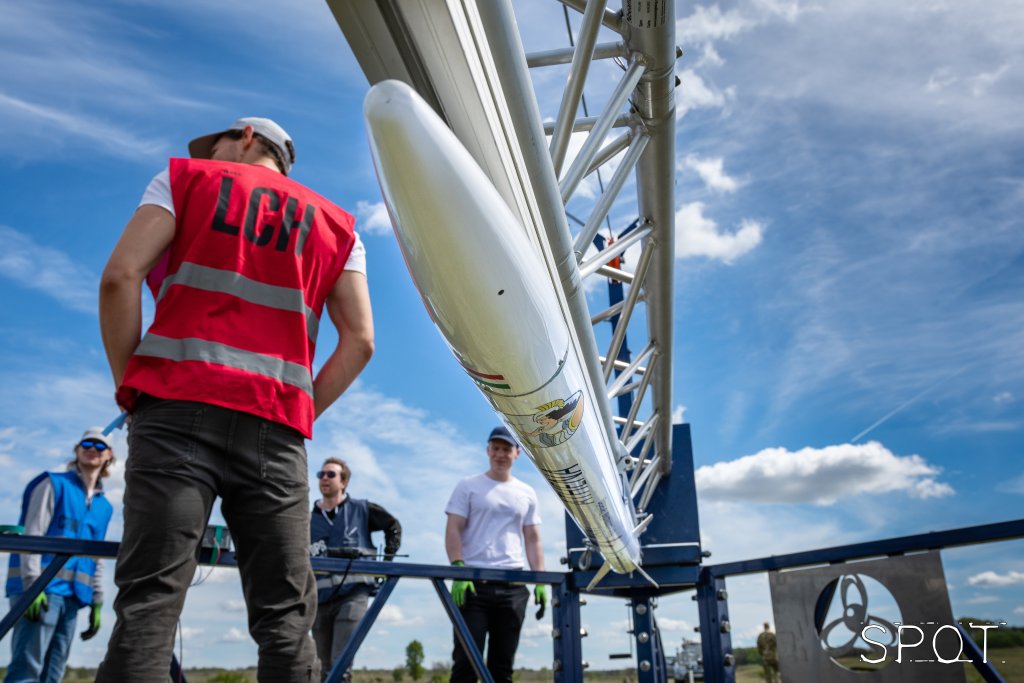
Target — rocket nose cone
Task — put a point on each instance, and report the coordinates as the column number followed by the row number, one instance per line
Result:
column 388, row 98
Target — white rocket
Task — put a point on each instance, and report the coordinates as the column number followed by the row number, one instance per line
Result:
column 487, row 290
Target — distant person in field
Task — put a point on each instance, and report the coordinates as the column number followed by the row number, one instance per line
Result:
column 766, row 647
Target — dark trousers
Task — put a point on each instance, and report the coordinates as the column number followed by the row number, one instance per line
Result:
column 336, row 621
column 494, row 613
column 182, row 456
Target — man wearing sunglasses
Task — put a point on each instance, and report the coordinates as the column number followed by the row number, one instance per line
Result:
column 67, row 504
column 242, row 261
column 342, row 523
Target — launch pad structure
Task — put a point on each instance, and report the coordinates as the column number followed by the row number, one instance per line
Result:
column 465, row 58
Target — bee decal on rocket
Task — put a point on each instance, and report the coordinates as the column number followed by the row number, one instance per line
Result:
column 553, row 424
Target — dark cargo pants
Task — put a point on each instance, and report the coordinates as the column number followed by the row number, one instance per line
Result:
column 495, row 614
column 182, row 456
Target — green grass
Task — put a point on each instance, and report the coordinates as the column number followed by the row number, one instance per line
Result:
column 1008, row 661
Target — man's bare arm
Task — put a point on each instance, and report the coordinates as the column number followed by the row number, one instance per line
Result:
column 144, row 240
column 348, row 307
column 534, row 547
column 453, row 536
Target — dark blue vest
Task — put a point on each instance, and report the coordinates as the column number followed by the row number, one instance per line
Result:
column 351, row 529
column 72, row 518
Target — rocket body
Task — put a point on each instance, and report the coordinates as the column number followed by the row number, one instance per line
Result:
column 485, row 287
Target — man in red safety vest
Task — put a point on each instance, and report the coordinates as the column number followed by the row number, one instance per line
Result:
column 242, row 261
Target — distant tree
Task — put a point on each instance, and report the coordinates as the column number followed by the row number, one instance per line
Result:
column 398, row 673
column 414, row 659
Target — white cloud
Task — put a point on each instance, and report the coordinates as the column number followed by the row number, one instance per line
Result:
column 990, row 578
column 1019, row 610
column 981, row 600
column 710, row 23
column 392, row 614
column 819, row 475
column 712, row 173
column 118, row 141
column 698, row 235
column 679, row 414
column 694, row 93
column 1014, row 485
column 233, row 605
column 47, row 270
column 373, row 218
column 188, row 632
column 1003, row 398
column 234, row 635
column 669, row 624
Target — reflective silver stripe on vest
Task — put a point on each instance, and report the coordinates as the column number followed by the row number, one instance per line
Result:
column 191, row 348
column 66, row 574
column 71, row 577
column 236, row 284
column 335, row 580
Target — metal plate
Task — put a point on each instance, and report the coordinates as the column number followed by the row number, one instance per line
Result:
column 801, row 601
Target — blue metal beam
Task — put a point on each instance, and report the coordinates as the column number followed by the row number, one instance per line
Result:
column 26, row 598
column 715, row 629
column 936, row 540
column 344, row 660
column 565, row 617
column 984, row 667
column 462, row 632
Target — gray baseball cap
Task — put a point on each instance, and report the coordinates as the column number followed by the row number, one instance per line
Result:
column 202, row 147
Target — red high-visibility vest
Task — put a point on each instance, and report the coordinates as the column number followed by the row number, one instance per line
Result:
column 253, row 259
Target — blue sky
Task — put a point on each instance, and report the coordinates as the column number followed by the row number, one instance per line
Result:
column 850, row 263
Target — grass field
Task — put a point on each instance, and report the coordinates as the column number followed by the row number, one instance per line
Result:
column 1009, row 662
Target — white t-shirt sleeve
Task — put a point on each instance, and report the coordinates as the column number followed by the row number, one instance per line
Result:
column 458, row 504
column 532, row 516
column 158, row 192
column 357, row 259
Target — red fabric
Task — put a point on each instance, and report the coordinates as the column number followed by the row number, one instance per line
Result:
column 219, row 239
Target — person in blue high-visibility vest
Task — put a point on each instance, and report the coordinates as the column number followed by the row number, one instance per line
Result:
column 67, row 504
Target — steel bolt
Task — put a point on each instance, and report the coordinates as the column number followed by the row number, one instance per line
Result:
column 643, row 636
column 645, row 666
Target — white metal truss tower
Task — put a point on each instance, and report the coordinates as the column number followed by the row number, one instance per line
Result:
column 466, row 58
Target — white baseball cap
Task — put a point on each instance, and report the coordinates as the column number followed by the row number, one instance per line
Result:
column 96, row 434
column 202, row 147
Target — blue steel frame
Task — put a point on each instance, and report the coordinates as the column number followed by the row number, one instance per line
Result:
column 565, row 595
column 715, row 639
column 708, row 580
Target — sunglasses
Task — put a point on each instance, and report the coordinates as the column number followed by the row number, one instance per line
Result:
column 330, row 474
column 98, row 445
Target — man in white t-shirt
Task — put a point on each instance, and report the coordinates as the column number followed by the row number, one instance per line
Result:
column 493, row 522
